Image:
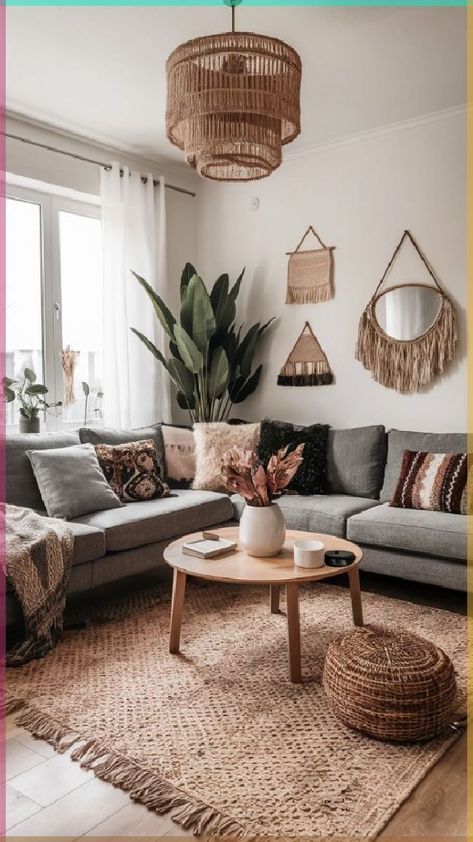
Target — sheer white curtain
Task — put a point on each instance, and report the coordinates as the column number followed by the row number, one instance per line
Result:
column 136, row 389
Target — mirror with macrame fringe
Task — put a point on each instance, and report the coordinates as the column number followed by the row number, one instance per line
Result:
column 407, row 334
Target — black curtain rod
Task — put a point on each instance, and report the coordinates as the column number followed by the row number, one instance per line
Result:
column 144, row 178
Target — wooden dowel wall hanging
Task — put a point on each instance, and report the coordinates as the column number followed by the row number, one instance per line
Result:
column 307, row 364
column 310, row 273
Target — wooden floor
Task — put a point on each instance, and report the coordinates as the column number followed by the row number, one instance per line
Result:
column 49, row 795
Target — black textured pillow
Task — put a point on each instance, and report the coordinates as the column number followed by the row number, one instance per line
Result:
column 311, row 478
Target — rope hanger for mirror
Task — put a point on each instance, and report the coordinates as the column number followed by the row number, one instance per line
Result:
column 407, row 365
column 407, row 235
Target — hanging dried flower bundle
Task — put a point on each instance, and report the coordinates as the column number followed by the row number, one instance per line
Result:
column 244, row 474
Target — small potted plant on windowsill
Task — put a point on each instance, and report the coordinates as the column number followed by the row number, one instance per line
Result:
column 31, row 398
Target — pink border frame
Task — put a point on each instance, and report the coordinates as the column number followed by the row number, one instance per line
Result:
column 2, row 408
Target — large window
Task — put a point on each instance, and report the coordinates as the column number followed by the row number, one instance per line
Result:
column 54, row 302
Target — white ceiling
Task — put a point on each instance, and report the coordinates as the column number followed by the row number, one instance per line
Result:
column 99, row 71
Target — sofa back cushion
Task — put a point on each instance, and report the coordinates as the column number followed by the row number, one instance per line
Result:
column 22, row 488
column 113, row 436
column 356, row 460
column 401, row 440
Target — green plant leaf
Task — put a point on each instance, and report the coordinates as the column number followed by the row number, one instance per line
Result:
column 150, row 346
column 243, row 387
column 182, row 377
column 219, row 293
column 7, row 381
column 36, row 389
column 187, row 274
column 190, row 353
column 30, row 375
column 223, row 304
column 162, row 311
column 85, row 388
column 236, row 286
column 185, row 403
column 8, row 394
column 266, row 325
column 246, row 350
column 197, row 317
column 219, row 374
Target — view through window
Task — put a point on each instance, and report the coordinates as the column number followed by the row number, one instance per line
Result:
column 81, row 295
column 54, row 303
column 24, row 330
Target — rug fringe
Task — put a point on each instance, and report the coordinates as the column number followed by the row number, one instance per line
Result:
column 42, row 727
column 122, row 772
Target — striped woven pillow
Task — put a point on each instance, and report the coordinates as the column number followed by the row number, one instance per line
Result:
column 433, row 481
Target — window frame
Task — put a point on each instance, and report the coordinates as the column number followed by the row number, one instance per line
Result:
column 51, row 297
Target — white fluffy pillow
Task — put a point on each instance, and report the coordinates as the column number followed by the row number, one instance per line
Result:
column 212, row 440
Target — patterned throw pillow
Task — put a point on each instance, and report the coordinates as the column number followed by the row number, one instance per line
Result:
column 311, row 477
column 179, row 455
column 436, row 482
column 132, row 470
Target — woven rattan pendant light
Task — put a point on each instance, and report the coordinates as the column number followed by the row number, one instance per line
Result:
column 232, row 102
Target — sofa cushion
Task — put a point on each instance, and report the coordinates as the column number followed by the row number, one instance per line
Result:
column 89, row 545
column 143, row 523
column 356, row 460
column 415, row 530
column 401, row 440
column 311, row 476
column 71, row 481
column 179, row 455
column 325, row 513
column 110, row 435
column 89, row 542
column 22, row 488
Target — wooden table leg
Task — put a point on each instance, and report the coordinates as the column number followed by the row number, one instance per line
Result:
column 274, row 598
column 355, row 592
column 294, row 632
column 177, row 605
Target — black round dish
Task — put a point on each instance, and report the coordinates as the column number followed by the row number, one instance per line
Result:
column 339, row 558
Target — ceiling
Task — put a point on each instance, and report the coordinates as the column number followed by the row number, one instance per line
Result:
column 99, row 71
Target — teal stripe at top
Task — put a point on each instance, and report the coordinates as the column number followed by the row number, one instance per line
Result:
column 424, row 3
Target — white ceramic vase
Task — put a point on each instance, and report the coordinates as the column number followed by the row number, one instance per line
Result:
column 262, row 530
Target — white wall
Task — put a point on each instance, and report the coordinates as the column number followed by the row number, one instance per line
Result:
column 40, row 164
column 360, row 195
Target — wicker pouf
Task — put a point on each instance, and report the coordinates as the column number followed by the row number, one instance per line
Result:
column 392, row 685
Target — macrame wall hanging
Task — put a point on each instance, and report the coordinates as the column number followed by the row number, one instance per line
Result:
column 310, row 273
column 69, row 361
column 407, row 334
column 307, row 364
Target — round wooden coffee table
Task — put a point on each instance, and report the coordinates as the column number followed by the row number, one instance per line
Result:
column 238, row 567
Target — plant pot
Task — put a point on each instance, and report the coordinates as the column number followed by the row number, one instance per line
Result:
column 262, row 530
column 29, row 425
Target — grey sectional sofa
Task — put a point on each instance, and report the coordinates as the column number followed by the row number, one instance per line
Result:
column 363, row 469
column 115, row 543
column 363, row 466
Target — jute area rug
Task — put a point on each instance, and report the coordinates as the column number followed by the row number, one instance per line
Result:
column 218, row 735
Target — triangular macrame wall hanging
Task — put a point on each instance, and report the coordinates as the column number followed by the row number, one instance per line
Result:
column 407, row 365
column 307, row 364
column 310, row 273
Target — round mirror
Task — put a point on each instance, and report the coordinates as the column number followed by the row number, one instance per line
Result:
column 408, row 311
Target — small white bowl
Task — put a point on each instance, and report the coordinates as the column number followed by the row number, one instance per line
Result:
column 309, row 553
